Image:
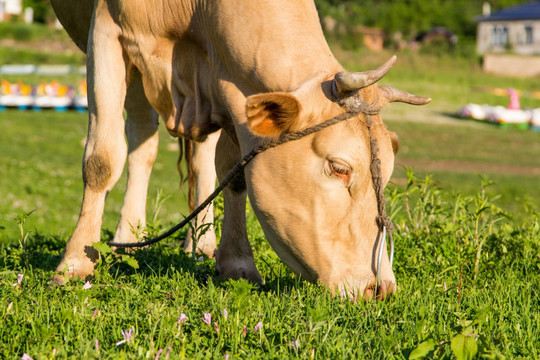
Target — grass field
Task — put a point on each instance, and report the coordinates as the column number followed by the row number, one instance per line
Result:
column 467, row 256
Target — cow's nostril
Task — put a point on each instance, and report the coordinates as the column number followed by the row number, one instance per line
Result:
column 385, row 289
column 369, row 293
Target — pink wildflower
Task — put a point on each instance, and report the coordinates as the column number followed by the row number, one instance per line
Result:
column 87, row 285
column 127, row 337
column 226, row 356
column 207, row 319
column 258, row 327
column 26, row 357
column 182, row 319
column 295, row 344
column 168, row 352
column 444, row 285
column 19, row 282
column 216, row 326
column 95, row 314
column 225, row 313
column 158, row 353
column 244, row 331
column 96, row 344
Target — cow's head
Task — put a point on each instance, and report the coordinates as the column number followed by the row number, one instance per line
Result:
column 314, row 197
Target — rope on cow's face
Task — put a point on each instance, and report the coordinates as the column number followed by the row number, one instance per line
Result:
column 353, row 106
column 384, row 224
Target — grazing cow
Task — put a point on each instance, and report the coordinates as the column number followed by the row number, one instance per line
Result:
column 256, row 70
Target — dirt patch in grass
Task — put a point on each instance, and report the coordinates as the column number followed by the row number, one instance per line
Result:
column 54, row 46
column 467, row 167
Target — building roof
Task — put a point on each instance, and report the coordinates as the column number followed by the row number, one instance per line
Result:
column 527, row 11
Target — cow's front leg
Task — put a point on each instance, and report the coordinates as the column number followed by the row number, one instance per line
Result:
column 234, row 258
column 204, row 174
column 105, row 150
column 142, row 137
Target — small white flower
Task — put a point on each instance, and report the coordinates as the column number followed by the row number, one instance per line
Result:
column 258, row 327
column 26, row 357
column 295, row 344
column 18, row 283
column 87, row 285
column 127, row 337
column 207, row 319
column 225, row 313
column 182, row 319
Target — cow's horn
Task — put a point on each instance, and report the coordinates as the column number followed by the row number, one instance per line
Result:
column 392, row 94
column 347, row 81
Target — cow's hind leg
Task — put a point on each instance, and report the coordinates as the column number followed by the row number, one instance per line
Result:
column 234, row 258
column 142, row 136
column 204, row 176
column 105, row 151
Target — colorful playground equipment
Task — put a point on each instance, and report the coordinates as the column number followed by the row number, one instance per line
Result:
column 510, row 116
column 47, row 95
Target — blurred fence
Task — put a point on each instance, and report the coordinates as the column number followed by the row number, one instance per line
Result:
column 51, row 70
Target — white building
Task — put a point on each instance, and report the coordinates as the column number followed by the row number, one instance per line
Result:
column 515, row 29
column 9, row 8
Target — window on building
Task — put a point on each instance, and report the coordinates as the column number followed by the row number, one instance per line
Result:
column 528, row 34
column 499, row 35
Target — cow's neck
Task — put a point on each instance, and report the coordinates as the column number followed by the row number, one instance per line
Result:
column 280, row 47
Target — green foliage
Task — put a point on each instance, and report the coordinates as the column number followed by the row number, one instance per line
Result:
column 28, row 32
column 409, row 17
column 43, row 11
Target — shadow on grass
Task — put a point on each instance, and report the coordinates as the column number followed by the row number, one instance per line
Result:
column 44, row 252
column 456, row 116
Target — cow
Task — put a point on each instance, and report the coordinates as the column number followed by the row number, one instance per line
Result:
column 255, row 70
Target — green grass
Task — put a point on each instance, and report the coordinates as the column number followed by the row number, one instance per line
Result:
column 41, row 170
column 440, row 300
column 29, row 56
column 467, row 255
column 37, row 44
column 29, row 32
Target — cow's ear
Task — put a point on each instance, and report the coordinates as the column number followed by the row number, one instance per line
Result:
column 271, row 114
column 395, row 141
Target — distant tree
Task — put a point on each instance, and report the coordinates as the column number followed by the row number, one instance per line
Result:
column 43, row 12
column 410, row 17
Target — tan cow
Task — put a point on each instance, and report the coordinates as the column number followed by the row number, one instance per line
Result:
column 255, row 69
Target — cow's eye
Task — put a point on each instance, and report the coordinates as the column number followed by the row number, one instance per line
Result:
column 341, row 170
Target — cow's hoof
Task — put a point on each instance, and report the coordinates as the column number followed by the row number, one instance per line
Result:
column 239, row 269
column 205, row 245
column 58, row 280
column 73, row 269
column 61, row 279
